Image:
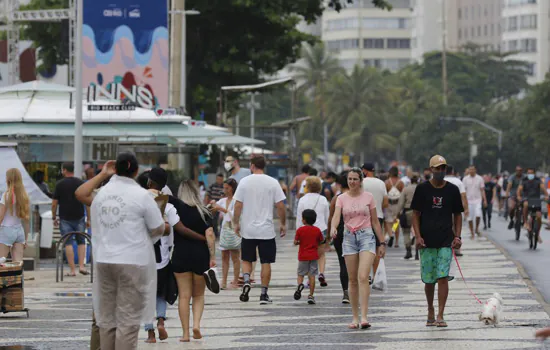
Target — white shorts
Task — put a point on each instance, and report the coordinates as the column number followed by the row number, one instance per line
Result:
column 475, row 211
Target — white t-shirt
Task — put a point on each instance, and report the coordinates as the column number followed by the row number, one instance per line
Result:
column 167, row 241
column 258, row 193
column 230, row 210
column 473, row 186
column 457, row 182
column 377, row 188
column 9, row 220
column 317, row 203
column 501, row 184
column 123, row 215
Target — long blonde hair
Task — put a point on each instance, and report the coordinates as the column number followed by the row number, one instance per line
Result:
column 188, row 192
column 17, row 195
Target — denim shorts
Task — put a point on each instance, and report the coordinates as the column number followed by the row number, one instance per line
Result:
column 359, row 241
column 68, row 226
column 9, row 235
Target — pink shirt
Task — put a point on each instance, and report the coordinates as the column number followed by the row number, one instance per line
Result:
column 356, row 210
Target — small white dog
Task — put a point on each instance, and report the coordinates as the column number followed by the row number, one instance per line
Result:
column 492, row 310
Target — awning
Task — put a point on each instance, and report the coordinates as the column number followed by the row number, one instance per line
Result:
column 221, row 140
column 175, row 130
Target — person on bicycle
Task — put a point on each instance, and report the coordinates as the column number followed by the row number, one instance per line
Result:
column 513, row 184
column 531, row 189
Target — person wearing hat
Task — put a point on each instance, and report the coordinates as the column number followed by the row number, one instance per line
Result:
column 437, row 223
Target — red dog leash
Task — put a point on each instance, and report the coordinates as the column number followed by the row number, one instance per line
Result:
column 464, row 280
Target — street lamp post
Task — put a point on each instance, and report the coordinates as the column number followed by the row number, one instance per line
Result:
column 78, row 138
column 486, row 126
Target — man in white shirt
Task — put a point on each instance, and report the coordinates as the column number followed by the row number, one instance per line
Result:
column 379, row 191
column 253, row 220
column 475, row 193
column 125, row 219
column 451, row 177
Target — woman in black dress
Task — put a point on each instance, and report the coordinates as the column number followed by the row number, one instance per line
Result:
column 192, row 258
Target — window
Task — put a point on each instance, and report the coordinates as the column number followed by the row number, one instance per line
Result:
column 492, row 29
column 473, row 12
column 479, row 11
column 399, row 43
column 485, row 30
column 473, row 32
column 341, row 24
column 512, row 45
column 528, row 45
column 466, row 12
column 466, row 33
column 459, row 33
column 528, row 22
column 376, row 63
column 512, row 23
column 485, row 11
column 478, row 30
column 373, row 43
column 386, row 23
column 459, row 13
column 394, row 64
column 346, row 44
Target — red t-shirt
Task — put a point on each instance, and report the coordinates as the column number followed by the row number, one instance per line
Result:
column 309, row 238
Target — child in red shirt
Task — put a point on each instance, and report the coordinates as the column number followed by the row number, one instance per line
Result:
column 309, row 238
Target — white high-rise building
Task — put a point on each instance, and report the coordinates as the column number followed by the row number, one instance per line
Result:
column 427, row 28
column 365, row 35
column 525, row 30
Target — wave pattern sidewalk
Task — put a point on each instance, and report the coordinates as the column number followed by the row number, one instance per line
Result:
column 397, row 317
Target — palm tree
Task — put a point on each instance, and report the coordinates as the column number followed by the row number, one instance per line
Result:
column 312, row 72
column 357, row 112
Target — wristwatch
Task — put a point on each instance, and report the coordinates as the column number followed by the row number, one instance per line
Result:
column 383, row 243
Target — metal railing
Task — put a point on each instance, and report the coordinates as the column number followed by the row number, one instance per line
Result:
column 59, row 254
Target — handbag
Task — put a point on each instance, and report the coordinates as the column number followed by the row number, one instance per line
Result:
column 171, row 287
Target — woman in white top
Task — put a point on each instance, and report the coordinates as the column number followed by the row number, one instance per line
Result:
column 14, row 216
column 315, row 201
column 230, row 242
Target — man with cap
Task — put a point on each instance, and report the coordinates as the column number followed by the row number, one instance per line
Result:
column 437, row 223
column 377, row 188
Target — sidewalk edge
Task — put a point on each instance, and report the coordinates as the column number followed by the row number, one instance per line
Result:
column 523, row 273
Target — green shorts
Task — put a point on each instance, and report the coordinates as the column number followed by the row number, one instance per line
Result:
column 435, row 263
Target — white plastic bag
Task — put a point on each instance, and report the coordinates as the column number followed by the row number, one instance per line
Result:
column 380, row 281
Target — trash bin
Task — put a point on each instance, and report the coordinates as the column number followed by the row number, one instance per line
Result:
column 46, row 230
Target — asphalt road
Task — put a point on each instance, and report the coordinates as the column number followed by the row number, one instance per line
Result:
column 535, row 262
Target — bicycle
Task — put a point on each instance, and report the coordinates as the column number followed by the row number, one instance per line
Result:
column 534, row 206
column 518, row 214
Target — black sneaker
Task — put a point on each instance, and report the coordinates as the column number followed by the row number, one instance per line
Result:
column 345, row 299
column 322, row 280
column 510, row 224
column 298, row 292
column 211, row 280
column 390, row 242
column 311, row 300
column 265, row 299
column 244, row 295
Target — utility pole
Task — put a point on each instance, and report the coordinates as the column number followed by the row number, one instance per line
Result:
column 252, row 106
column 444, row 50
column 78, row 138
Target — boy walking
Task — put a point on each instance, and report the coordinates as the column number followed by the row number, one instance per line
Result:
column 308, row 237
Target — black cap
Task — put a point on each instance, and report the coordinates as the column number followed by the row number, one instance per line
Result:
column 159, row 176
column 368, row 167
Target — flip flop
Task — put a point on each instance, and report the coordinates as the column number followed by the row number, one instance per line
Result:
column 70, row 275
column 84, row 272
column 354, row 326
column 441, row 324
column 365, row 325
column 431, row 323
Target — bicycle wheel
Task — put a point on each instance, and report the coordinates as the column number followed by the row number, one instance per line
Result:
column 517, row 227
column 536, row 234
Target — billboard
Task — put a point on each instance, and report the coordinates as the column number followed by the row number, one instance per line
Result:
column 125, row 51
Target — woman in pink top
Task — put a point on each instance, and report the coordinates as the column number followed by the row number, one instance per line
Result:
column 359, row 245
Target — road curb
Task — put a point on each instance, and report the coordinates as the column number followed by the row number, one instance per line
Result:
column 523, row 273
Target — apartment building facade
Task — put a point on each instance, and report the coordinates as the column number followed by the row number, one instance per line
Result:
column 365, row 35
column 525, row 33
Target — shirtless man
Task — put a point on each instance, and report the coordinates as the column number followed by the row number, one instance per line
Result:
column 297, row 184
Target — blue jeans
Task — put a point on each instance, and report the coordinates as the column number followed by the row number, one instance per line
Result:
column 161, row 313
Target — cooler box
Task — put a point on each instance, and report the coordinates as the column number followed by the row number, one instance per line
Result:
column 11, row 287
column 46, row 230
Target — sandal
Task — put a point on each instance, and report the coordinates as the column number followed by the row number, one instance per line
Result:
column 354, row 326
column 441, row 324
column 68, row 274
column 365, row 325
column 431, row 323
column 84, row 272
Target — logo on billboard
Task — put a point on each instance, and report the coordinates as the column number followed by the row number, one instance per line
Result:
column 136, row 13
column 112, row 13
column 138, row 95
column 165, row 111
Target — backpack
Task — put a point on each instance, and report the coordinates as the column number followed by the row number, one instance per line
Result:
column 394, row 194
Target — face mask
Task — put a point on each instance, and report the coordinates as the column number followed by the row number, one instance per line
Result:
column 228, row 166
column 531, row 176
column 427, row 177
column 439, row 176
